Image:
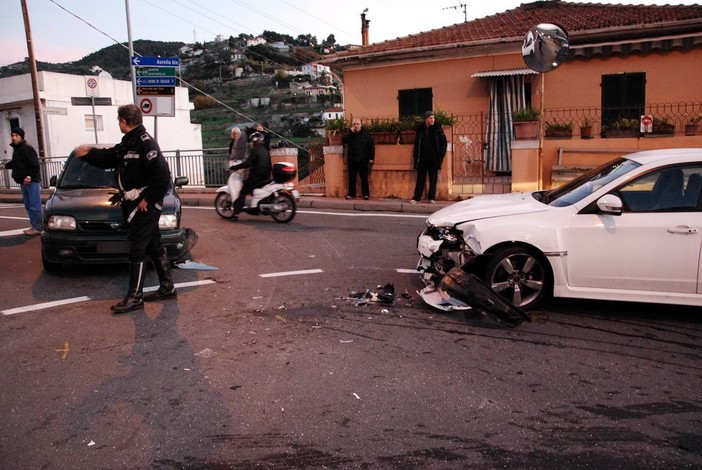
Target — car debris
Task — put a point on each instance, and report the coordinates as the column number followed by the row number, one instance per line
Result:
column 385, row 294
column 471, row 292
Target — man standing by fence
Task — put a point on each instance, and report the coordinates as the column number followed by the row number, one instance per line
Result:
column 25, row 172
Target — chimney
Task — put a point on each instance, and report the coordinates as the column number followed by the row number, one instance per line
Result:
column 364, row 28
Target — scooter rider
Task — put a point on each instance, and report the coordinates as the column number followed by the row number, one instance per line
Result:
column 142, row 176
column 259, row 164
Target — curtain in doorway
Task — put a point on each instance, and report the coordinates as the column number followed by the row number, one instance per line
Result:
column 506, row 95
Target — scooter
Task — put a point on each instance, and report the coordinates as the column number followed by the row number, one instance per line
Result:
column 275, row 197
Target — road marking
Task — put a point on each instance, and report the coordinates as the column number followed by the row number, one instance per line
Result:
column 12, row 233
column 56, row 303
column 291, row 273
column 366, row 214
column 345, row 214
column 13, row 218
column 408, row 271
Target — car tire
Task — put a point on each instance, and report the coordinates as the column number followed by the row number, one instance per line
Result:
column 519, row 275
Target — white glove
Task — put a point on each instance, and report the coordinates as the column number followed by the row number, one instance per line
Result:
column 132, row 194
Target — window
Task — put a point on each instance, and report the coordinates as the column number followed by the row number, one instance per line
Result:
column 676, row 189
column 93, row 122
column 414, row 102
column 14, row 122
column 623, row 96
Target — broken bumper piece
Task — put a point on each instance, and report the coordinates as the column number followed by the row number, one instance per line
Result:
column 462, row 291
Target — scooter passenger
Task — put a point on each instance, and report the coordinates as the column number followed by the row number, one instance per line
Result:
column 237, row 154
column 259, row 165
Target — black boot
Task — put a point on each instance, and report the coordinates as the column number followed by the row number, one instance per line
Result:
column 166, row 289
column 135, row 294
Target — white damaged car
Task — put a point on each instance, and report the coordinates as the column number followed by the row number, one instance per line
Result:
column 630, row 230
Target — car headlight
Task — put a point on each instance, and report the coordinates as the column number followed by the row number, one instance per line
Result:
column 61, row 222
column 168, row 222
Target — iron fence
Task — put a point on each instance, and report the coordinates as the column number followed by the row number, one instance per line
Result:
column 203, row 167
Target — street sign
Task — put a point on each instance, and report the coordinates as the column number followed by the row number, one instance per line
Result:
column 155, row 71
column 157, row 105
column 155, row 61
column 91, row 86
column 156, row 81
column 155, row 90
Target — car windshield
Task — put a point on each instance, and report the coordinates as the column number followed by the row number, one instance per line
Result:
column 80, row 174
column 586, row 184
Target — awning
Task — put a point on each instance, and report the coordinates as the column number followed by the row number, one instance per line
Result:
column 504, row 73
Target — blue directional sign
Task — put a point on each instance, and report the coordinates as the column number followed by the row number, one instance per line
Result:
column 156, row 81
column 155, row 61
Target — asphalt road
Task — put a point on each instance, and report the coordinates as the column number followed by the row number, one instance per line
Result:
column 271, row 362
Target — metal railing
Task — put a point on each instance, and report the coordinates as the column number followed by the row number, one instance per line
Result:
column 203, row 167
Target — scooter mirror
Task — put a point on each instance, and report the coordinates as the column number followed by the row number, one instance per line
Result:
column 545, row 47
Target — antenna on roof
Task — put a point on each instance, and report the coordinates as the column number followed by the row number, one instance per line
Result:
column 456, row 7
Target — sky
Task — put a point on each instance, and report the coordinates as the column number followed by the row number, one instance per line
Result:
column 67, row 30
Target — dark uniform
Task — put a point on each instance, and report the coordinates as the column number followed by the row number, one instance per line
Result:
column 259, row 165
column 141, row 172
column 360, row 155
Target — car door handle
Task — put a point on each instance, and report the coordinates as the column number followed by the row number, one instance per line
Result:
column 684, row 229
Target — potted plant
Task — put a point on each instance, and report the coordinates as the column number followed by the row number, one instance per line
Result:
column 558, row 130
column 383, row 131
column 623, row 127
column 661, row 126
column 586, row 131
column 335, row 130
column 692, row 126
column 526, row 123
column 407, row 127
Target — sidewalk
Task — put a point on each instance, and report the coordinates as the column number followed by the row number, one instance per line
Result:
column 204, row 197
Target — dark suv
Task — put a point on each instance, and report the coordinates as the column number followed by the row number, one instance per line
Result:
column 82, row 226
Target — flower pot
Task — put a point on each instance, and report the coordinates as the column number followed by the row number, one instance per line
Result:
column 586, row 132
column 617, row 133
column 691, row 129
column 559, row 134
column 334, row 137
column 526, row 130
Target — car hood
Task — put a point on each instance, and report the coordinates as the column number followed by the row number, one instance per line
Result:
column 93, row 204
column 486, row 206
column 84, row 204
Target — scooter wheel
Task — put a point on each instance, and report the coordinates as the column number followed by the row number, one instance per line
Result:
column 286, row 215
column 224, row 206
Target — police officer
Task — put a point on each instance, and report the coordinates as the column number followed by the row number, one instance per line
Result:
column 142, row 176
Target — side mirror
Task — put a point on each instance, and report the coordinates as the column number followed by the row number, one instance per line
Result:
column 610, row 204
column 545, row 47
column 181, row 181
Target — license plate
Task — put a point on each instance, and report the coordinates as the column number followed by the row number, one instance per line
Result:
column 113, row 247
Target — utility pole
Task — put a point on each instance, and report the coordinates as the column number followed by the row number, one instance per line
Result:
column 35, row 87
column 131, row 51
column 456, row 7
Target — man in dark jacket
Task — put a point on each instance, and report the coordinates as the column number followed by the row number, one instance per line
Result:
column 259, row 164
column 429, row 151
column 25, row 172
column 360, row 154
column 143, row 177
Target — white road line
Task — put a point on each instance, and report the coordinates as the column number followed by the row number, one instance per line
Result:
column 13, row 218
column 291, row 273
column 12, row 233
column 56, row 303
column 345, row 214
column 408, row 271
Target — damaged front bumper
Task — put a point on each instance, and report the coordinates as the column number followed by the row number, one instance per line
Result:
column 443, row 257
column 440, row 250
